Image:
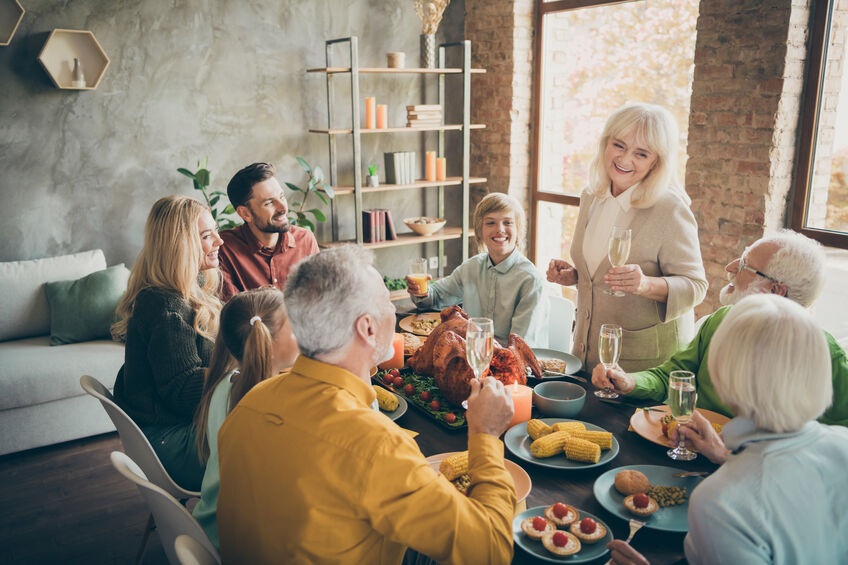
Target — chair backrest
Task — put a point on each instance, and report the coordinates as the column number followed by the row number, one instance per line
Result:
column 192, row 552
column 171, row 517
column 134, row 441
column 560, row 321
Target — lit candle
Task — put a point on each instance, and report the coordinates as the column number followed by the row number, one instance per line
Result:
column 381, row 116
column 431, row 165
column 522, row 400
column 370, row 113
column 396, row 362
column 441, row 166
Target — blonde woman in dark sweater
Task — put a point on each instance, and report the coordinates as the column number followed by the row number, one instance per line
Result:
column 168, row 319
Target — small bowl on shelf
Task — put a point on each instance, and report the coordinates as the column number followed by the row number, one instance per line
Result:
column 424, row 225
column 559, row 399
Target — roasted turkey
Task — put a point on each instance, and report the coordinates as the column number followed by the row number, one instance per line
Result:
column 443, row 357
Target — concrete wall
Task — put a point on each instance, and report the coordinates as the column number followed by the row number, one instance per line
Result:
column 189, row 79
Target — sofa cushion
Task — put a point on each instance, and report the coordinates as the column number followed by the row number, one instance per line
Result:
column 32, row 372
column 84, row 309
column 23, row 304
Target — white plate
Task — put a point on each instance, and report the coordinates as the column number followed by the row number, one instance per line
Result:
column 572, row 363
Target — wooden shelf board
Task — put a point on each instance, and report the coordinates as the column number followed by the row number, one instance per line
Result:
column 337, row 131
column 387, row 71
column 60, row 49
column 11, row 14
column 409, row 238
column 449, row 181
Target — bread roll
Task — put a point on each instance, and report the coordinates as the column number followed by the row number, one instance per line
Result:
column 629, row 482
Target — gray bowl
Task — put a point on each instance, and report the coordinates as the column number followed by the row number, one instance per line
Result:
column 559, row 399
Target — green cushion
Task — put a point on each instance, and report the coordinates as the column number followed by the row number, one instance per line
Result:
column 84, row 309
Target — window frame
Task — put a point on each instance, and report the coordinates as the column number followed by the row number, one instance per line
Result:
column 809, row 125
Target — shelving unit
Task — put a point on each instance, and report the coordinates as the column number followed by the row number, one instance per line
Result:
column 60, row 49
column 11, row 14
column 355, row 131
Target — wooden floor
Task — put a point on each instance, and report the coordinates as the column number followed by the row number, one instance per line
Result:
column 67, row 504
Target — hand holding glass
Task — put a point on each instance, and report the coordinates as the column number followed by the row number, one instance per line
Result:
column 682, row 397
column 479, row 346
column 619, row 251
column 609, row 350
column 419, row 274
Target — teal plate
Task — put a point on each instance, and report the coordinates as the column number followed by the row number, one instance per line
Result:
column 588, row 551
column 668, row 519
column 518, row 442
column 400, row 410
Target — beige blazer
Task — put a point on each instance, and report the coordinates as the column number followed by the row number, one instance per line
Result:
column 664, row 243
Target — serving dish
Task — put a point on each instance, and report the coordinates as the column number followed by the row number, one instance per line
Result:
column 572, row 363
column 522, row 481
column 408, row 324
column 588, row 551
column 647, row 423
column 518, row 442
column 420, row 384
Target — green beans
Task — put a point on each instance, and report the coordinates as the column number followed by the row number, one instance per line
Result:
column 668, row 496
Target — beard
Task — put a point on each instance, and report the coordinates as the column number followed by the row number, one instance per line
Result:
column 384, row 354
column 268, row 227
column 727, row 298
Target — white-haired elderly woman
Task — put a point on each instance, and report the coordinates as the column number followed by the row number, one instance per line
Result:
column 633, row 185
column 779, row 495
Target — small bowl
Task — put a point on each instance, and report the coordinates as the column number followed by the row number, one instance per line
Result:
column 421, row 228
column 559, row 399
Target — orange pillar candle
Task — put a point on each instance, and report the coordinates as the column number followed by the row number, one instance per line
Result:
column 431, row 165
column 381, row 116
column 396, row 362
column 441, row 166
column 370, row 113
column 522, row 400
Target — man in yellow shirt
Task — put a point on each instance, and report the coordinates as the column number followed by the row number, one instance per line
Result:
column 311, row 474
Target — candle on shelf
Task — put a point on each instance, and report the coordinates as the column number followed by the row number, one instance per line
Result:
column 441, row 167
column 431, row 165
column 370, row 113
column 396, row 362
column 522, row 400
column 381, row 116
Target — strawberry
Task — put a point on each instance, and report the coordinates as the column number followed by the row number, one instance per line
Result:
column 450, row 417
column 560, row 539
column 641, row 500
column 560, row 510
column 539, row 524
column 588, row 526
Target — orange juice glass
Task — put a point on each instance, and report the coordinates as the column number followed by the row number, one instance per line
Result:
column 418, row 272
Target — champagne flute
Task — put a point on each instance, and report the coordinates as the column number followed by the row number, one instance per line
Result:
column 619, row 250
column 682, row 397
column 609, row 350
column 479, row 346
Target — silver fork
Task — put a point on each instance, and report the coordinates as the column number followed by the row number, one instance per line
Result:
column 635, row 526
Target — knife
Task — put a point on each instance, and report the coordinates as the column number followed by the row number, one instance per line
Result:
column 619, row 403
column 692, row 474
column 555, row 374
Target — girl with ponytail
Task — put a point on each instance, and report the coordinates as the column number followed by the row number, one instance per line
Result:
column 254, row 343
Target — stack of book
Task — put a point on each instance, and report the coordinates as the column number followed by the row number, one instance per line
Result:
column 377, row 225
column 400, row 167
column 423, row 115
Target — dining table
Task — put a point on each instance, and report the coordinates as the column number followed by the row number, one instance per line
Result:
column 575, row 486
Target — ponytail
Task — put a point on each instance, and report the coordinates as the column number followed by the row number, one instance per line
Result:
column 221, row 365
column 255, row 362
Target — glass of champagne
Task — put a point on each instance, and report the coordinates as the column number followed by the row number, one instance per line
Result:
column 619, row 250
column 682, row 397
column 479, row 346
column 609, row 350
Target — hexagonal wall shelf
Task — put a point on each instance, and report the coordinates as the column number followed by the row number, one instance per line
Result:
column 11, row 14
column 60, row 49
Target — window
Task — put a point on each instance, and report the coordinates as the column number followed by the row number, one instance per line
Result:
column 591, row 58
column 820, row 208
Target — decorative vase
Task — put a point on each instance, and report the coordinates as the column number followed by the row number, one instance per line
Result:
column 428, row 50
column 372, row 180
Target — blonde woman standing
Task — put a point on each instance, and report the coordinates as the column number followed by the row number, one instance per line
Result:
column 168, row 319
column 633, row 185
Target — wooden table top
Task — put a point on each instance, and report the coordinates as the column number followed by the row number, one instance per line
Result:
column 575, row 487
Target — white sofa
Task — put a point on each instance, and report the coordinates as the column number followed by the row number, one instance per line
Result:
column 41, row 402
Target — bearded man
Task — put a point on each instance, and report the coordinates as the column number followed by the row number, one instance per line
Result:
column 785, row 263
column 263, row 250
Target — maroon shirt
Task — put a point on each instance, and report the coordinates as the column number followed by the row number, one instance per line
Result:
column 245, row 264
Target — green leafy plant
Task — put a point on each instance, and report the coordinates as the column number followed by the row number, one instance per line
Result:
column 223, row 211
column 372, row 169
column 315, row 185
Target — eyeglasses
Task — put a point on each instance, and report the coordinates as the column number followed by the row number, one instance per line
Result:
column 743, row 267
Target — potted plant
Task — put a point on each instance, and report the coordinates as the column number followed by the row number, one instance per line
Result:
column 314, row 185
column 373, row 179
column 223, row 211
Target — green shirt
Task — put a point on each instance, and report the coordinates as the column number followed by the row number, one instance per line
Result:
column 653, row 383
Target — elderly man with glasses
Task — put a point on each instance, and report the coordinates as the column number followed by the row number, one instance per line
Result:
column 784, row 263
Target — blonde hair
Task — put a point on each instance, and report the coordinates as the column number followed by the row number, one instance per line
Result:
column 171, row 259
column 249, row 324
column 770, row 363
column 499, row 202
column 654, row 127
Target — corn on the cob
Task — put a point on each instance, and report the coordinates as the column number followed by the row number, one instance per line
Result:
column 568, row 426
column 454, row 465
column 603, row 439
column 549, row 445
column 386, row 399
column 716, row 427
column 537, row 429
column 578, row 449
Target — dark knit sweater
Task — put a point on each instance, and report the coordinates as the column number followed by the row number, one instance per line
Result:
column 164, row 361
